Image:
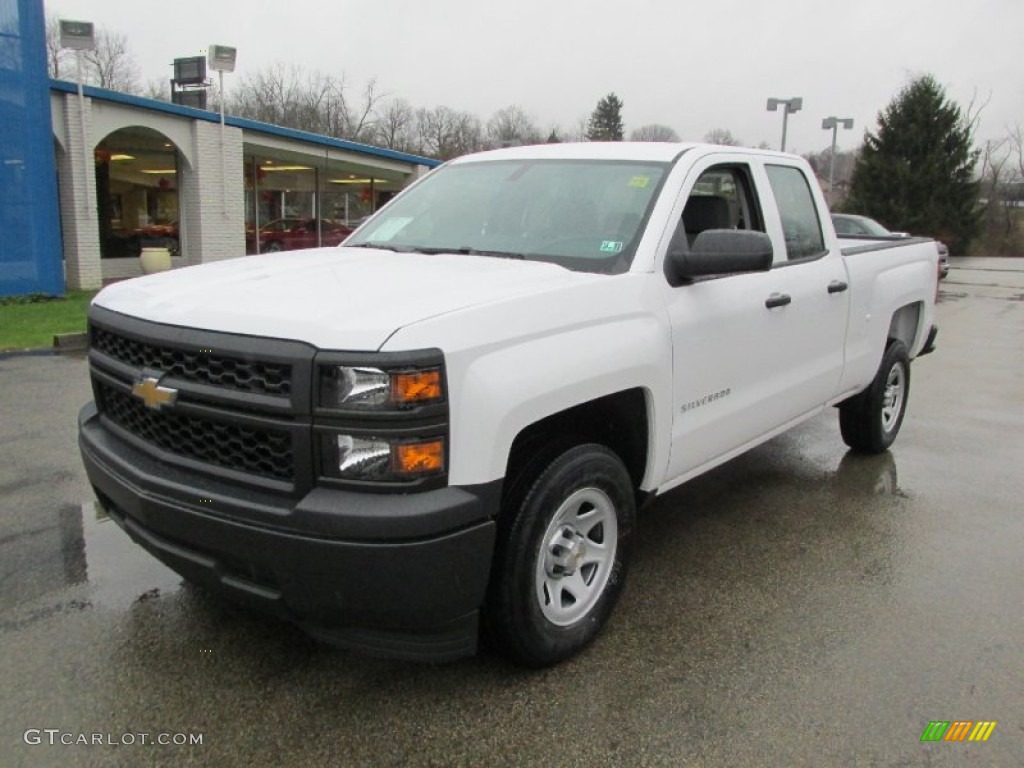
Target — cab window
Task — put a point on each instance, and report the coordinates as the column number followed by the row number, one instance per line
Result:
column 722, row 198
column 801, row 225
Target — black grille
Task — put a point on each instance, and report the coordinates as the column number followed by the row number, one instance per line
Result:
column 208, row 368
column 263, row 452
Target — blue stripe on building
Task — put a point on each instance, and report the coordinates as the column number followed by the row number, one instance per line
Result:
column 30, row 244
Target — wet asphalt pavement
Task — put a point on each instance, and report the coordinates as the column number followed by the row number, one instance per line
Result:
column 796, row 607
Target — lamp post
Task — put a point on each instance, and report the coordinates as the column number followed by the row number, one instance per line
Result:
column 221, row 59
column 80, row 36
column 834, row 123
column 792, row 105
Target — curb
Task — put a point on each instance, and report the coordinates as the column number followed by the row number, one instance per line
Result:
column 70, row 342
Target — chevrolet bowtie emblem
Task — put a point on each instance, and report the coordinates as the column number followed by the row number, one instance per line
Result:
column 149, row 391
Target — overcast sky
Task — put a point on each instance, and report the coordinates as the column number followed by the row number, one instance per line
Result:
column 692, row 66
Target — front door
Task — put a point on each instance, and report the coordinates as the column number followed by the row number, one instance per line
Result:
column 757, row 351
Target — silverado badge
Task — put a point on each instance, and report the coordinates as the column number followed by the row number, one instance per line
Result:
column 154, row 396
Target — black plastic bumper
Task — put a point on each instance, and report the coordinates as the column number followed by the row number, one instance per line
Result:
column 401, row 575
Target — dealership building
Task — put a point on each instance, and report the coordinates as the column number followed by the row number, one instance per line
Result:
column 88, row 179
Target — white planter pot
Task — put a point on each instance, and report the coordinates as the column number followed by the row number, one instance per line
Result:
column 155, row 260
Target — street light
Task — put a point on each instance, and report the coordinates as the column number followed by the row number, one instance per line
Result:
column 221, row 59
column 834, row 123
column 792, row 105
column 79, row 36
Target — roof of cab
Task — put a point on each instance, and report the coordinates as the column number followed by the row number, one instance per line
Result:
column 641, row 151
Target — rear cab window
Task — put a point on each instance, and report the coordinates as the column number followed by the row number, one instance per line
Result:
column 800, row 219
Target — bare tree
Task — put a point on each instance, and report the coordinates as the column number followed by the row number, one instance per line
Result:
column 270, row 95
column 157, row 88
column 360, row 121
column 511, row 125
column 972, row 115
column 1017, row 147
column 308, row 101
column 721, row 136
column 579, row 131
column 654, row 132
column 997, row 172
column 396, row 125
column 446, row 133
column 112, row 64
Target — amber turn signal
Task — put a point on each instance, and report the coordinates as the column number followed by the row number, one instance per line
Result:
column 416, row 386
column 418, row 458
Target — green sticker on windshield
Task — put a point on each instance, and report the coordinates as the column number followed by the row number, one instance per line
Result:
column 611, row 246
column 640, row 181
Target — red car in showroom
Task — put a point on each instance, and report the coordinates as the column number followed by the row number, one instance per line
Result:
column 290, row 234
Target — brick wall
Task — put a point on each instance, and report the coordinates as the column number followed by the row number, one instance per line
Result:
column 76, row 182
column 214, row 227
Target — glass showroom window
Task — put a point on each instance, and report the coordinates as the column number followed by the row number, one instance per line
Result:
column 281, row 205
column 136, row 193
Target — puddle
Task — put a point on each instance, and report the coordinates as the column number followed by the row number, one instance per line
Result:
column 83, row 559
column 118, row 570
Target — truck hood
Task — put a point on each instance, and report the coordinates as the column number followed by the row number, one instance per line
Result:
column 333, row 298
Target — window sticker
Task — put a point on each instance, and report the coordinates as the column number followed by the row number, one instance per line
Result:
column 639, row 182
column 388, row 229
column 611, row 246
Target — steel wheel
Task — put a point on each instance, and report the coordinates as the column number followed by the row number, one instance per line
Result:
column 576, row 556
column 892, row 399
column 870, row 421
column 561, row 553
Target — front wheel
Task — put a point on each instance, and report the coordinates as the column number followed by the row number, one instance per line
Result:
column 870, row 421
column 562, row 557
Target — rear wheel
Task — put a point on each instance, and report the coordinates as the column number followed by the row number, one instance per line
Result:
column 561, row 557
column 870, row 421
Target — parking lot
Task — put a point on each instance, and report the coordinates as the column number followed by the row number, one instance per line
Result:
column 799, row 606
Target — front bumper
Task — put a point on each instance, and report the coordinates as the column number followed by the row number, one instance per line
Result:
column 399, row 574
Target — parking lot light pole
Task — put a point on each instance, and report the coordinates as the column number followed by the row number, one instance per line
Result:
column 792, row 105
column 221, row 59
column 834, row 123
column 79, row 36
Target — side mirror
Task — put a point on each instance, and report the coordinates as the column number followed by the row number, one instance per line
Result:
column 722, row 252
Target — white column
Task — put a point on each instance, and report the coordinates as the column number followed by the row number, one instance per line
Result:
column 76, row 181
column 213, row 228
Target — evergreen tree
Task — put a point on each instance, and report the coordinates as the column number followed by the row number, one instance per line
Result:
column 606, row 120
column 917, row 173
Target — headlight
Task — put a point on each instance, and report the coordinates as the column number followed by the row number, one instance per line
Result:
column 362, row 388
column 375, row 459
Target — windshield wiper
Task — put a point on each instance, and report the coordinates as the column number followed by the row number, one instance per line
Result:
column 466, row 250
column 383, row 247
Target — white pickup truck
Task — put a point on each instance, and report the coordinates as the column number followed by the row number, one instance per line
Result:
column 445, row 425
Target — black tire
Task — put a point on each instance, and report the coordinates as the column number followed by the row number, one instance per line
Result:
column 272, row 247
column 870, row 421
column 555, row 581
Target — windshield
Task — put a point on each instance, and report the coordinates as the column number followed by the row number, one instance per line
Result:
column 585, row 215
